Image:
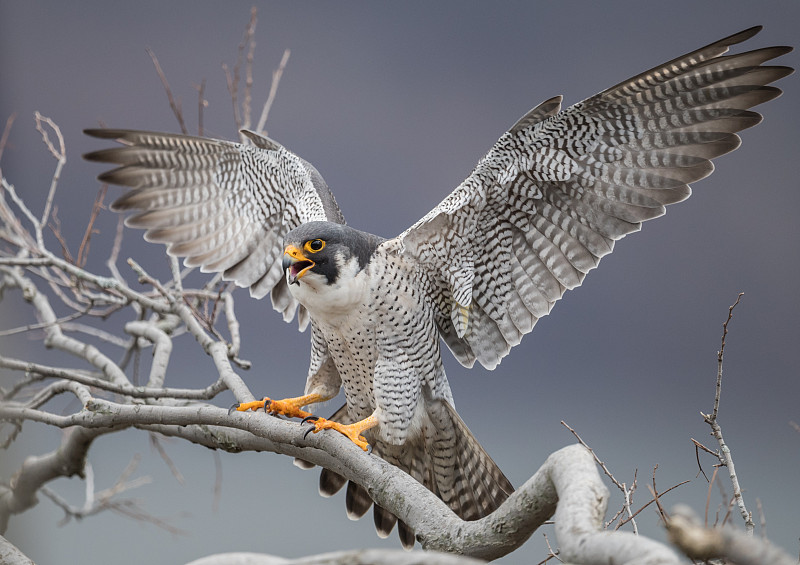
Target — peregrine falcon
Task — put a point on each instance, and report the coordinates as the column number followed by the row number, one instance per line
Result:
column 537, row 213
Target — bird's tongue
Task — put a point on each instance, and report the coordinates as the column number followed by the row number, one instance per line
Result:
column 295, row 270
column 298, row 267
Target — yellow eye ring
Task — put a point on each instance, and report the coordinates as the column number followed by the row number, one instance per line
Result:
column 314, row 245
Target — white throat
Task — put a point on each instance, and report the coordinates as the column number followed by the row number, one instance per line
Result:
column 331, row 303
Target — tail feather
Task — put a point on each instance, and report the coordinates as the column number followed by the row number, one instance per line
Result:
column 446, row 458
column 357, row 501
column 469, row 480
column 406, row 535
column 330, row 483
column 384, row 521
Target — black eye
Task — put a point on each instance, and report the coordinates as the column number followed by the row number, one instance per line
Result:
column 314, row 245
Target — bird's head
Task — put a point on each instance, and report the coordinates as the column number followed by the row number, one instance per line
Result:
column 322, row 253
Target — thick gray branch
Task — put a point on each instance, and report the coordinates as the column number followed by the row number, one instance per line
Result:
column 69, row 459
column 568, row 481
column 357, row 557
column 10, row 555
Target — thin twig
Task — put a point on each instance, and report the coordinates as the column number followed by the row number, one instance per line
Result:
column 38, row 371
column 727, row 500
column 111, row 262
column 9, row 188
column 144, row 278
column 83, row 250
column 94, row 332
column 42, row 325
column 596, row 458
column 6, row 133
column 233, row 79
column 621, row 486
column 697, row 447
column 248, row 72
column 763, row 518
column 174, row 104
column 654, row 492
column 12, row 436
column 202, row 104
column 217, row 481
column 155, row 442
column 273, row 90
column 104, row 500
column 59, row 154
column 711, row 419
column 720, row 355
column 673, row 487
column 55, row 227
column 551, row 554
column 708, row 494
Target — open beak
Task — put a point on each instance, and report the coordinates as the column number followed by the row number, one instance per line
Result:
column 295, row 264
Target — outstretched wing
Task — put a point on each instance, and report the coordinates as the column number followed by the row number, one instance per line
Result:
column 224, row 206
column 557, row 190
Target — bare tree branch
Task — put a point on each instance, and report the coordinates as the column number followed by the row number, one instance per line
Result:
column 202, row 104
column 626, row 492
column 711, row 543
column 273, row 90
column 6, row 132
column 247, row 103
column 36, row 471
column 83, row 250
column 10, row 555
column 232, row 79
column 59, row 154
column 173, row 103
column 725, row 456
column 384, row 557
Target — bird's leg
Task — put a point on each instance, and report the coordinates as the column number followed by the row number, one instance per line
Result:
column 352, row 431
column 289, row 407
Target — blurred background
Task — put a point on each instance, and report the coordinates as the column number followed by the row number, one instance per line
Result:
column 394, row 103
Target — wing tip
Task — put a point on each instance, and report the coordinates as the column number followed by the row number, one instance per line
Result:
column 742, row 36
column 104, row 133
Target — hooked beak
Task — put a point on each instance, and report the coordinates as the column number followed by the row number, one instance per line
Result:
column 295, row 264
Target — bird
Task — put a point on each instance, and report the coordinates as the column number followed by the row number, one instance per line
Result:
column 540, row 209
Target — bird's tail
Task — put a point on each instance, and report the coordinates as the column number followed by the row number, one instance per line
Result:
column 446, row 458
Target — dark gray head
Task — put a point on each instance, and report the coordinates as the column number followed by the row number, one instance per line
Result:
column 324, row 247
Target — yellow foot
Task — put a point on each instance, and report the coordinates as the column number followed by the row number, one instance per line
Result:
column 352, row 431
column 289, row 407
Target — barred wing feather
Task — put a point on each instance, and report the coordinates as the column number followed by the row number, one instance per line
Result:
column 551, row 197
column 224, row 206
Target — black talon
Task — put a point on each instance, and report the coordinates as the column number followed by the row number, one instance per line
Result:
column 308, row 431
column 311, row 418
column 232, row 408
column 267, row 402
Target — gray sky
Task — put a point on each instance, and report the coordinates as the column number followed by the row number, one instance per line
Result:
column 394, row 104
